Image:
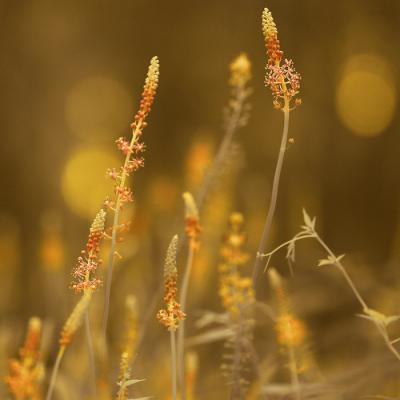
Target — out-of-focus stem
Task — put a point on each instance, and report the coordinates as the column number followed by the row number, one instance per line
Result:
column 111, row 256
column 173, row 363
column 92, row 365
column 54, row 373
column 274, row 194
column 181, row 328
column 293, row 374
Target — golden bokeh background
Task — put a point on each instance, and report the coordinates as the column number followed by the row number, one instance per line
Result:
column 71, row 77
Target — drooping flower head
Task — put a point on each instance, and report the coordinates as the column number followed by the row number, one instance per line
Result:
column 281, row 76
column 171, row 316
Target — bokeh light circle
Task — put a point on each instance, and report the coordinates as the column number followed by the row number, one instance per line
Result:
column 84, row 184
column 366, row 95
column 98, row 108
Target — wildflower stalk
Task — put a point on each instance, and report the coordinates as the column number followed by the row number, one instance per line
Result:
column 172, row 314
column 110, row 264
column 85, row 282
column 181, row 330
column 274, row 194
column 54, row 373
column 284, row 82
column 91, row 360
column 173, row 364
column 192, row 231
column 132, row 162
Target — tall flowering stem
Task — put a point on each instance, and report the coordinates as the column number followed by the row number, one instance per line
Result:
column 284, row 82
column 132, row 150
column 193, row 230
column 86, row 282
column 172, row 314
column 27, row 372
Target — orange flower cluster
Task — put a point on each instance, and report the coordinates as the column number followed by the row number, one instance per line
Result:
column 27, row 372
column 281, row 76
column 89, row 261
column 171, row 316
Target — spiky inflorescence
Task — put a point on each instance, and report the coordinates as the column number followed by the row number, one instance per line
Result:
column 281, row 75
column 89, row 261
column 26, row 373
column 75, row 319
column 134, row 148
column 171, row 316
column 237, row 296
column 192, row 224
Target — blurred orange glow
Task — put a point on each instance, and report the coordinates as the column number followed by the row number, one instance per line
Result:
column 98, row 108
column 365, row 96
column 84, row 185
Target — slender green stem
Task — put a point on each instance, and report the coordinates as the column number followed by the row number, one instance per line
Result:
column 173, row 363
column 181, row 328
column 124, row 175
column 92, row 365
column 274, row 195
column 54, row 373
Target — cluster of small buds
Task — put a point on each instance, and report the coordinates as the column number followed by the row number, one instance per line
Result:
column 89, row 261
column 173, row 313
column 281, row 76
column 26, row 373
column 149, row 91
column 192, row 224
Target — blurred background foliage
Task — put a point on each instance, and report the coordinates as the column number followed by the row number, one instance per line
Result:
column 71, row 75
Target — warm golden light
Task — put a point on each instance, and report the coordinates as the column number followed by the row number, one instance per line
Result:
column 98, row 108
column 366, row 97
column 84, row 185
